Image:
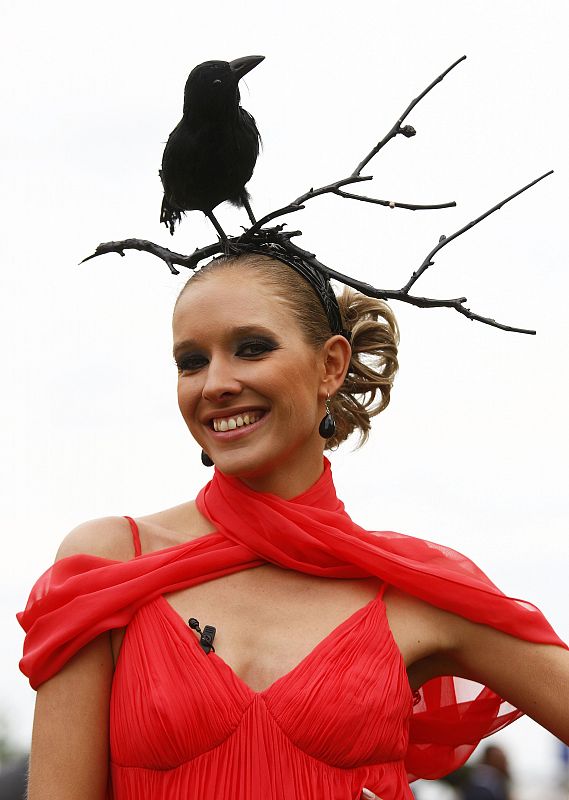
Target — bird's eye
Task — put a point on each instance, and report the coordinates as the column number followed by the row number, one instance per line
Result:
column 217, row 82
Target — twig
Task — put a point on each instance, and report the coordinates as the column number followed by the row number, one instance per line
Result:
column 254, row 229
column 356, row 177
column 331, row 187
column 444, row 240
column 397, row 129
column 168, row 256
column 393, row 203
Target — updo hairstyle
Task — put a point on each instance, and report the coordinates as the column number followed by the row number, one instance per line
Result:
column 375, row 336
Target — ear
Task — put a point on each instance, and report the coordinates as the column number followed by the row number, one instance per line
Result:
column 336, row 355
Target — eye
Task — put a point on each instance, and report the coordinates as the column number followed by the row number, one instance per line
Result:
column 256, row 347
column 217, row 82
column 190, row 363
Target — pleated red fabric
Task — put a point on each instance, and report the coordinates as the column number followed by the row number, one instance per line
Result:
column 184, row 724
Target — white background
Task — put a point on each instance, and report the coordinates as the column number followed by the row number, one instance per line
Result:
column 472, row 451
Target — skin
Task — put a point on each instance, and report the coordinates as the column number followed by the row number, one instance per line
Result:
column 226, row 368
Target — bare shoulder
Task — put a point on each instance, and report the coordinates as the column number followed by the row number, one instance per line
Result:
column 106, row 537
column 172, row 526
column 111, row 537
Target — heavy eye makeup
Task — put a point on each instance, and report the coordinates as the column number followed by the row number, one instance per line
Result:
column 251, row 348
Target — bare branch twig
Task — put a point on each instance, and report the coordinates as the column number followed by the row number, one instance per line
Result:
column 254, row 229
column 397, row 129
column 393, row 203
column 192, row 261
column 356, row 177
column 168, row 256
column 331, row 187
column 444, row 240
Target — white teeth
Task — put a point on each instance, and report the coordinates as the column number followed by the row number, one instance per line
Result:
column 230, row 423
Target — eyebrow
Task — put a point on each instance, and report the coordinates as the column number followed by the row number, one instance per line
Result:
column 241, row 330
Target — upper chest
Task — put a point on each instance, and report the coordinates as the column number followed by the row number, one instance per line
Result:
column 268, row 619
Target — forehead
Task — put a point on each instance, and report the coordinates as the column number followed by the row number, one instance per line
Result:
column 230, row 298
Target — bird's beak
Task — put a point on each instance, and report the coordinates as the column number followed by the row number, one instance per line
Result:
column 241, row 66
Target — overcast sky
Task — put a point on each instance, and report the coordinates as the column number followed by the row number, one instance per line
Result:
column 472, row 451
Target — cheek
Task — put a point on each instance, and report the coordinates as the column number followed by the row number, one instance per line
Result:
column 186, row 398
column 300, row 388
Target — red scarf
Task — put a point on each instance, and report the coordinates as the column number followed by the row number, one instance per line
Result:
column 81, row 596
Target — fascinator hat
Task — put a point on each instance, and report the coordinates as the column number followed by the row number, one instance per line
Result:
column 269, row 237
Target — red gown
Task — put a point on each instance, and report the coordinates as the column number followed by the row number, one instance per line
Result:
column 183, row 724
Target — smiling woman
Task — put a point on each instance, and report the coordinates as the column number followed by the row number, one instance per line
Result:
column 404, row 658
column 281, row 347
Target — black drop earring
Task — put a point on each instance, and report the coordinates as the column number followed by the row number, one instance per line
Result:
column 327, row 427
column 206, row 460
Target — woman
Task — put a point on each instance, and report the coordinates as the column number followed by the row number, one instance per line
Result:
column 312, row 682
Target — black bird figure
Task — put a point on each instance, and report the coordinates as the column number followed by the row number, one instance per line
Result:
column 211, row 153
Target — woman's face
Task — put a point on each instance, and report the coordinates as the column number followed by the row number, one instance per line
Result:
column 250, row 389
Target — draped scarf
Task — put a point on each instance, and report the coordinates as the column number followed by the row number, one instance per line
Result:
column 81, row 596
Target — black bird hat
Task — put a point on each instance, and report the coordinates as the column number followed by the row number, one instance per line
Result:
column 209, row 158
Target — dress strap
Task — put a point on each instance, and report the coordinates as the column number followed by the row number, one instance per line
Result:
column 135, row 536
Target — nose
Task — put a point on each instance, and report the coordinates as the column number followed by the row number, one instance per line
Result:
column 220, row 381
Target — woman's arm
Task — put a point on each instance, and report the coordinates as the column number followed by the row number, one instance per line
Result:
column 532, row 677
column 70, row 740
column 433, row 642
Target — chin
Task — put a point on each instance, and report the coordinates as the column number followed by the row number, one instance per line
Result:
column 268, row 462
column 244, row 465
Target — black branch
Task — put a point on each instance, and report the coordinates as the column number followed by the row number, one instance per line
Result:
column 356, row 177
column 403, row 295
column 407, row 130
column 444, row 240
column 168, row 256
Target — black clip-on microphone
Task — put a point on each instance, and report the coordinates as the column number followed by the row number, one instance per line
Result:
column 207, row 635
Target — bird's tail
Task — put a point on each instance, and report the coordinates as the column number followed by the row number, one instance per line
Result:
column 169, row 215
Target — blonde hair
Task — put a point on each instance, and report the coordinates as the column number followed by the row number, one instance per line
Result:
column 374, row 339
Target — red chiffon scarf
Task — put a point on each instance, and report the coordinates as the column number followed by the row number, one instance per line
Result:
column 81, row 596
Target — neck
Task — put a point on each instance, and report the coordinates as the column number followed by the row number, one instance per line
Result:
column 287, row 480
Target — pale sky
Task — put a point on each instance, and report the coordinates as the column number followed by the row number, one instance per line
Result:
column 472, row 451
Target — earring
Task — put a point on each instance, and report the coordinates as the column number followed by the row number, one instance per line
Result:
column 206, row 460
column 327, row 427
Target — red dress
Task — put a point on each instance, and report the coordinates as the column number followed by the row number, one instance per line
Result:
column 183, row 724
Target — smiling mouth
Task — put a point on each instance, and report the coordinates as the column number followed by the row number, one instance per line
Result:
column 247, row 418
